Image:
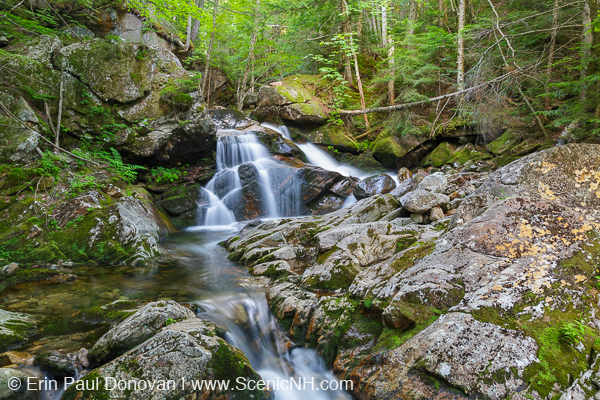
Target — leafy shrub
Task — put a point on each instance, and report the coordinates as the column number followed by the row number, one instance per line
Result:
column 164, row 175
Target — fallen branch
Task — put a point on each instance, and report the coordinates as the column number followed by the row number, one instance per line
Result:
column 6, row 110
column 421, row 102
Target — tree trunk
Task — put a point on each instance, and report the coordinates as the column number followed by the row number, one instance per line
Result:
column 460, row 58
column 240, row 103
column 360, row 90
column 387, row 41
column 552, row 48
column 346, row 32
column 440, row 13
column 594, row 65
column 412, row 17
column 586, row 50
column 188, row 40
column 60, row 106
column 384, row 26
column 205, row 78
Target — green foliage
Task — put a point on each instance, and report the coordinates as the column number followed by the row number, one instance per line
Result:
column 127, row 172
column 164, row 175
column 573, row 332
column 176, row 93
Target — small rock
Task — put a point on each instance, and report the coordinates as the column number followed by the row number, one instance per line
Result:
column 420, row 175
column 35, row 231
column 435, row 183
column 403, row 174
column 10, row 269
column 436, row 214
column 418, row 218
column 3, row 41
column 407, row 185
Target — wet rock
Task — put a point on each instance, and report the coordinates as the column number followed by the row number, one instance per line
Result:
column 435, row 183
column 378, row 184
column 391, row 149
column 344, row 187
column 15, row 328
column 136, row 329
column 186, row 350
column 248, row 173
column 277, row 144
column 56, row 364
column 22, row 374
column 15, row 358
column 228, row 118
column 403, row 174
column 420, row 201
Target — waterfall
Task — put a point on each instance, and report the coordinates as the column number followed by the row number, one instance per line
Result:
column 233, row 150
column 253, row 329
column 318, row 157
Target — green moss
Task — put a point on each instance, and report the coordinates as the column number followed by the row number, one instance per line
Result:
column 228, row 363
column 28, row 275
column 111, row 313
column 99, row 393
column 559, row 362
column 393, row 338
column 439, row 156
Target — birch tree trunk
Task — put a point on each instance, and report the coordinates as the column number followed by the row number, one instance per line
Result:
column 460, row 57
column 346, row 32
column 242, row 94
column 387, row 41
column 360, row 89
column 205, row 78
column 412, row 17
column 552, row 48
column 586, row 49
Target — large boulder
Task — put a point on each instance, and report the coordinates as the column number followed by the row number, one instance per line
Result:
column 247, row 202
column 291, row 100
column 179, row 355
column 435, row 183
column 377, row 184
column 136, row 329
column 18, row 139
column 331, row 135
column 392, row 150
column 277, row 144
column 15, row 328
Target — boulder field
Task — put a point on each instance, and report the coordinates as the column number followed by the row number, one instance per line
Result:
column 498, row 300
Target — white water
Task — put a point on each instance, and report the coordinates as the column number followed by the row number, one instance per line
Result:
column 318, row 157
column 233, row 150
column 253, row 329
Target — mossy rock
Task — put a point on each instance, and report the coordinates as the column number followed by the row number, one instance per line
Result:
column 15, row 328
column 440, row 156
column 331, row 135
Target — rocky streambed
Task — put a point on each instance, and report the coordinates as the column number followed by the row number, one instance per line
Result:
column 498, row 300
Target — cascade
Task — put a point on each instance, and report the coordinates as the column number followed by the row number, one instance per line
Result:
column 233, row 150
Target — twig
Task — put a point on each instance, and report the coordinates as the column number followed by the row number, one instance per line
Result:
column 44, row 139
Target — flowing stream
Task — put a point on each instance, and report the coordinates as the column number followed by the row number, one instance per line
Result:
column 196, row 271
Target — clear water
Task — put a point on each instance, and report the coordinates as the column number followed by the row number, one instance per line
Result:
column 197, row 271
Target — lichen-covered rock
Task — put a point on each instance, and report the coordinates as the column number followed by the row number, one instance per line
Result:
column 435, row 183
column 15, row 328
column 461, row 352
column 228, row 118
column 378, row 184
column 137, row 328
column 115, row 70
column 181, row 353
